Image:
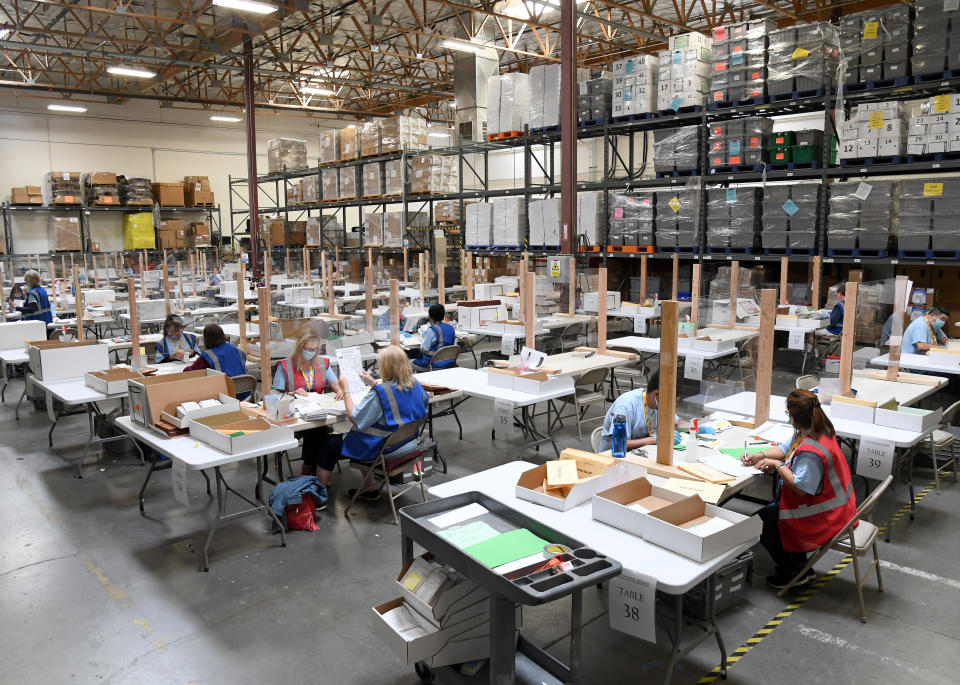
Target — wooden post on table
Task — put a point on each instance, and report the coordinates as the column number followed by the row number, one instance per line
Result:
column 784, row 273
column 143, row 277
column 394, row 311
column 530, row 322
column 242, row 307
column 847, row 338
column 380, row 272
column 602, row 310
column 96, row 274
column 306, row 266
column 166, row 287
column 441, row 283
column 572, row 286
column 368, row 300
column 53, row 272
column 676, row 277
column 896, row 328
column 421, row 278
column 695, row 297
column 734, row 289
column 815, row 284
column 263, row 298
column 768, row 319
column 78, row 303
column 3, row 300
column 267, row 264
column 286, row 263
column 193, row 278
column 668, row 380
column 71, row 262
column 180, row 285
column 468, row 278
column 63, row 265
column 331, row 295
column 134, row 323
column 370, row 257
column 643, row 278
column 323, row 273
column 336, row 260
column 406, row 271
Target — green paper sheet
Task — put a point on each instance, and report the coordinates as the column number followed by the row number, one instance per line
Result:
column 468, row 535
column 737, row 452
column 506, row 547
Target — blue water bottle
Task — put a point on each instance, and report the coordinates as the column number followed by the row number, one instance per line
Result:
column 619, row 446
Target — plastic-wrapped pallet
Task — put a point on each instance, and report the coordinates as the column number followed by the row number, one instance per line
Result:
column 802, row 58
column 789, row 216
column 675, row 149
column 876, row 44
column 402, row 133
column 635, row 85
column 544, row 219
column 479, row 224
column 348, row 182
column 294, row 194
column 373, row 231
column 590, row 217
column 373, row 179
column 135, row 192
column 683, row 75
column 287, row 154
column 348, row 143
column 514, row 102
column 447, row 211
column 929, row 214
column 676, row 213
column 324, row 230
column 544, row 100
column 101, row 189
column 330, row 185
column 594, row 99
column 329, row 146
column 63, row 188
column 493, row 104
column 393, row 177
column 631, row 219
column 310, row 190
column 741, row 141
column 370, row 139
column 877, row 129
column 937, row 129
column 393, row 229
column 64, row 234
column 509, row 220
column 935, row 36
column 732, row 217
column 738, row 71
column 433, row 174
column 861, row 215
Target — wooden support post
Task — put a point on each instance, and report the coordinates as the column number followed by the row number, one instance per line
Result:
column 134, row 324
column 784, row 273
column 166, row 287
column 768, row 319
column 180, row 285
column 394, row 311
column 63, row 265
column 643, row 278
column 306, row 266
column 368, row 300
column 602, row 311
column 676, row 277
column 96, row 274
column 143, row 277
column 406, row 264
column 441, row 283
column 422, row 279
column 242, row 307
column 71, row 262
column 734, row 276
column 668, row 380
column 3, row 299
column 695, row 297
column 78, row 303
column 263, row 299
column 522, row 282
column 286, row 263
column 53, row 272
column 193, row 277
column 815, row 284
column 572, row 286
column 267, row 268
column 323, row 273
column 381, row 275
column 370, row 257
column 896, row 329
column 847, row 338
column 331, row 295
column 336, row 261
column 530, row 322
column 468, row 280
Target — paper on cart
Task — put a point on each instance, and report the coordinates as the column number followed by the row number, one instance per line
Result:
column 458, row 515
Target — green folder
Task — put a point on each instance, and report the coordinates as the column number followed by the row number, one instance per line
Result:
column 737, row 452
column 506, row 547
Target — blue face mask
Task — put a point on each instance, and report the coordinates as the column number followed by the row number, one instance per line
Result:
column 309, row 354
column 938, row 323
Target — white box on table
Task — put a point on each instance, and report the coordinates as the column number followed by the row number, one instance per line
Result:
column 110, row 381
column 708, row 344
column 479, row 313
column 487, row 291
column 15, row 334
column 853, row 409
column 52, row 360
column 908, row 418
column 943, row 356
column 211, row 430
column 149, row 396
column 591, row 301
column 664, row 528
column 530, row 488
column 613, row 506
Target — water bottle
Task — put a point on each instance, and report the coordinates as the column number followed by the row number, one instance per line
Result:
column 619, row 446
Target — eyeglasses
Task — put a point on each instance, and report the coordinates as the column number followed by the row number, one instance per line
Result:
column 310, row 349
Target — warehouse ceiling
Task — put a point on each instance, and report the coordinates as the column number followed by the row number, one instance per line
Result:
column 360, row 57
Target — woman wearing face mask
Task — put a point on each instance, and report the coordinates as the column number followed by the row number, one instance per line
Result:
column 305, row 372
column 816, row 495
column 641, row 408
column 925, row 332
column 175, row 344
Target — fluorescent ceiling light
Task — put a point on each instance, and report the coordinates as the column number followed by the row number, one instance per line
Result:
column 65, row 108
column 313, row 90
column 462, row 46
column 232, row 120
column 246, row 6
column 130, row 71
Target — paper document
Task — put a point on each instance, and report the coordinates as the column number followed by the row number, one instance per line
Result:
column 728, row 465
column 458, row 515
column 708, row 492
column 402, row 621
column 351, row 366
column 775, row 432
column 713, row 525
column 470, row 534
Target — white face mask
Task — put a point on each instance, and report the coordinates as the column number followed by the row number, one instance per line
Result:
column 309, row 354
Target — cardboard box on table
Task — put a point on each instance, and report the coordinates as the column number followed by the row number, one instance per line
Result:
column 664, row 527
column 237, row 431
column 534, row 382
column 613, row 506
column 479, row 313
column 908, row 418
column 52, row 360
column 227, row 403
column 14, row 334
column 110, row 381
column 151, row 395
column 708, row 344
column 595, row 476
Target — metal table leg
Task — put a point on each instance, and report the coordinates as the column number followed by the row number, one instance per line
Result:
column 16, row 409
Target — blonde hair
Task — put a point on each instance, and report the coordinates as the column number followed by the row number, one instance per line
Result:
column 306, row 335
column 31, row 278
column 395, row 367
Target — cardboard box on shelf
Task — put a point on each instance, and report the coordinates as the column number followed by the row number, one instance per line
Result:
column 171, row 234
column 288, row 154
column 348, row 143
column 168, row 194
column 25, row 196
column 329, row 147
column 298, row 232
column 196, row 183
column 198, row 235
column 275, row 232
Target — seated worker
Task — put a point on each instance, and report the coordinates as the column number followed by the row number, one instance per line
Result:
column 836, row 316
column 926, row 331
column 887, row 331
column 440, row 334
column 304, row 372
column 640, row 407
column 396, row 400
column 175, row 344
column 816, row 497
column 213, row 280
column 36, row 306
column 220, row 355
column 16, row 296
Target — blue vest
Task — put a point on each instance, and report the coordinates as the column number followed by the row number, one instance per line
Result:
column 444, row 335
column 227, row 359
column 43, row 312
column 399, row 407
column 166, row 348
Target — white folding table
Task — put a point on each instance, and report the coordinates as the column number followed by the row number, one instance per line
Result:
column 919, row 362
column 8, row 358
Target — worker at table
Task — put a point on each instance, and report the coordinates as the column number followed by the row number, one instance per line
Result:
column 175, row 344
column 640, row 407
column 816, row 496
column 926, row 332
column 439, row 334
column 36, row 306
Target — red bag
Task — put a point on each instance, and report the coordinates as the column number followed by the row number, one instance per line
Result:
column 302, row 516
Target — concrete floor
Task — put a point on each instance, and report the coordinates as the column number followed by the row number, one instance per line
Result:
column 91, row 591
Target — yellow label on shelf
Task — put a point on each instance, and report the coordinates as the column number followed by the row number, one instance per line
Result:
column 870, row 29
column 941, row 104
column 876, row 119
column 800, row 53
column 674, row 204
column 932, row 189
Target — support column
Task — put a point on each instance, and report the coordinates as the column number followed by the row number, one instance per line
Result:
column 252, row 190
column 568, row 125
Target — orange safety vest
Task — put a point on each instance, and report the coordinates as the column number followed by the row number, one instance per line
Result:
column 808, row 521
column 297, row 380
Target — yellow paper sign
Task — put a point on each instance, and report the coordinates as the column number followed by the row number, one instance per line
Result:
column 674, row 204
column 932, row 189
column 870, row 29
column 876, row 119
column 941, row 104
column 800, row 53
